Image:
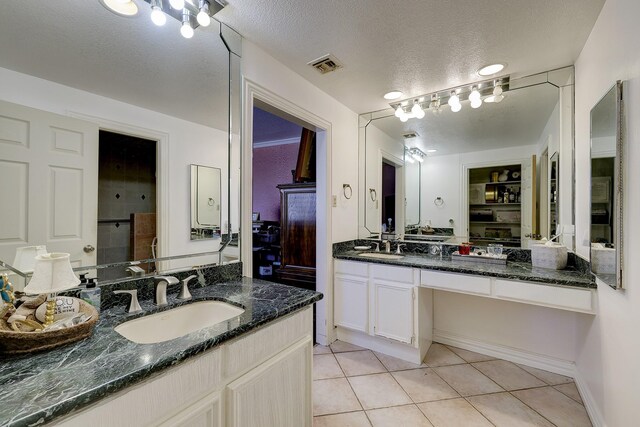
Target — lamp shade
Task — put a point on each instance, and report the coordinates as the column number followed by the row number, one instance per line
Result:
column 52, row 273
column 25, row 259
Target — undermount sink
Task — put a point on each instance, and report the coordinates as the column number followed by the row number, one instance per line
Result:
column 179, row 321
column 381, row 255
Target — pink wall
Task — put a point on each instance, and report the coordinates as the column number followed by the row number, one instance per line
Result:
column 271, row 166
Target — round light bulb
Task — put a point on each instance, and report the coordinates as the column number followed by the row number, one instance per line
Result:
column 203, row 18
column 157, row 16
column 420, row 114
column 475, row 103
column 497, row 91
column 404, row 118
column 454, row 100
column 399, row 111
column 456, row 107
column 498, row 98
column 474, row 96
column 177, row 4
column 186, row 30
column 416, row 110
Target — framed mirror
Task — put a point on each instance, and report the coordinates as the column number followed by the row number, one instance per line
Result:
column 98, row 134
column 607, row 162
column 205, row 202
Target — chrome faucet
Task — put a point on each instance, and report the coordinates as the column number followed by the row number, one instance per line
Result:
column 184, row 292
column 399, row 248
column 161, row 283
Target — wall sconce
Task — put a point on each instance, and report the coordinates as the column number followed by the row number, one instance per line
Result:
column 491, row 90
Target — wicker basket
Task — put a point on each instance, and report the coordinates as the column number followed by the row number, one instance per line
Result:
column 12, row 342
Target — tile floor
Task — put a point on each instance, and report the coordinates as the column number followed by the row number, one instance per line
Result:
column 356, row 387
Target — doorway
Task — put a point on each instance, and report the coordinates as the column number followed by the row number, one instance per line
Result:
column 126, row 201
column 388, row 197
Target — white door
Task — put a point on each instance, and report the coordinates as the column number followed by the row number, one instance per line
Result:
column 48, row 183
column 276, row 393
column 351, row 303
column 528, row 191
column 393, row 311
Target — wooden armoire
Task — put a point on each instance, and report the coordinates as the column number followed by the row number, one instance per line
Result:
column 298, row 235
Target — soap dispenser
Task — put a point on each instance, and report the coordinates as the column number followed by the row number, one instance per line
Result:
column 91, row 293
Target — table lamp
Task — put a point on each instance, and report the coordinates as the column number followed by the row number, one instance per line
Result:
column 52, row 273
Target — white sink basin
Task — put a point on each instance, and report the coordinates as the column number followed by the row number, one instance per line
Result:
column 179, row 321
column 380, row 255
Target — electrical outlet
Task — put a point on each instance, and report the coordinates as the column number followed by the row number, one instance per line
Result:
column 334, row 201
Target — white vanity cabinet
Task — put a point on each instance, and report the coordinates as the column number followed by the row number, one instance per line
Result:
column 378, row 306
column 261, row 378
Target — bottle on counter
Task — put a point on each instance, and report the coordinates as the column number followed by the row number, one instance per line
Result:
column 506, row 196
column 91, row 293
column 512, row 197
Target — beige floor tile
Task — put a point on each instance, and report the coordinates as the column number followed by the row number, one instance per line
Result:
column 397, row 416
column 546, row 376
column 321, row 349
column 467, row 380
column 570, row 390
column 395, row 364
column 341, row 346
column 453, row 413
column 504, row 410
column 325, row 366
column 424, row 385
column 379, row 391
column 350, row 419
column 359, row 363
column 439, row 355
column 334, row 396
column 470, row 356
column 507, row 375
column 555, row 406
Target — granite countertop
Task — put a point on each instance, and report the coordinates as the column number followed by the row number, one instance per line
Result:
column 514, row 270
column 38, row 388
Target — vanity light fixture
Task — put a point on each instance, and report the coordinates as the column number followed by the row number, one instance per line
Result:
column 186, row 29
column 157, row 15
column 126, row 8
column 489, row 70
column 407, row 155
column 417, row 154
column 394, row 94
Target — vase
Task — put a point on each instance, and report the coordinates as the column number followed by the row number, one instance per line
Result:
column 504, row 176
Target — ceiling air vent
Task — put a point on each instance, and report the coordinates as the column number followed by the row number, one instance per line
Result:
column 410, row 134
column 326, row 64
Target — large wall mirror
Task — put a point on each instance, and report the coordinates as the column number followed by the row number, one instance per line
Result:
column 606, row 187
column 101, row 117
column 473, row 175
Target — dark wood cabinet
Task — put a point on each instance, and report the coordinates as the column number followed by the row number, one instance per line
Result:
column 298, row 235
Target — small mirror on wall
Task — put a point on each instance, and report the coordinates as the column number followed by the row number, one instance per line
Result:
column 606, row 187
column 205, row 202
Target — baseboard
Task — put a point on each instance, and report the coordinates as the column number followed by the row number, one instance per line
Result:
column 589, row 402
column 524, row 357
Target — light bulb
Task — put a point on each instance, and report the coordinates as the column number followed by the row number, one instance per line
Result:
column 498, row 98
column 417, row 111
column 203, row 18
column 497, row 91
column 399, row 111
column 404, row 118
column 456, row 107
column 177, row 4
column 475, row 103
column 454, row 99
column 474, row 96
column 186, row 30
column 409, row 159
column 157, row 16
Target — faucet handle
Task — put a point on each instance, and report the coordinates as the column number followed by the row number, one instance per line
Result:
column 169, row 279
column 377, row 246
column 400, row 245
column 134, row 305
column 184, row 292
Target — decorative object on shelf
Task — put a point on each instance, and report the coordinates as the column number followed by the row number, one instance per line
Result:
column 465, row 248
column 515, row 176
column 6, row 290
column 549, row 255
column 504, row 176
column 497, row 233
column 494, row 249
column 52, row 273
column 438, row 201
column 347, row 191
column 510, row 216
column 494, row 176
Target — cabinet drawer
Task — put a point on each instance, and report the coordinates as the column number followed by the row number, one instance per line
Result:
column 553, row 296
column 394, row 274
column 456, row 282
column 352, row 268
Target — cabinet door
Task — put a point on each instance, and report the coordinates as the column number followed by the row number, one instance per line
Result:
column 393, row 311
column 276, row 393
column 204, row 413
column 351, row 303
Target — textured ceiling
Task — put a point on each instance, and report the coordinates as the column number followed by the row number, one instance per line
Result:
column 516, row 121
column 80, row 44
column 417, row 46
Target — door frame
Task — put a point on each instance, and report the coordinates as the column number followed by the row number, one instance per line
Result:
column 162, row 170
column 325, row 332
